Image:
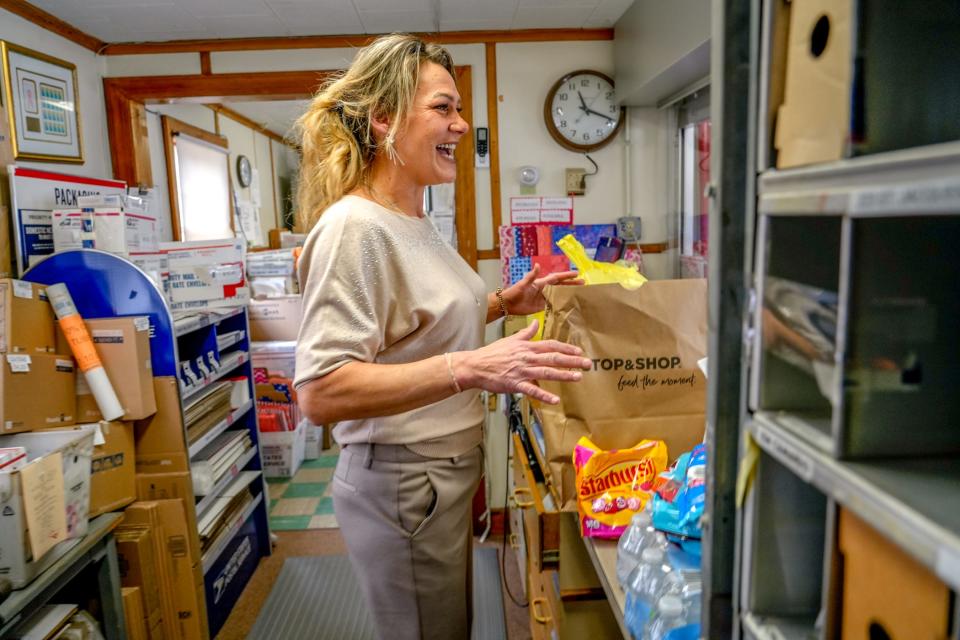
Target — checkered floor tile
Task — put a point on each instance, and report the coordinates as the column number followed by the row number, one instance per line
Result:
column 304, row 501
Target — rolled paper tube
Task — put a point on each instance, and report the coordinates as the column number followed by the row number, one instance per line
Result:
column 83, row 350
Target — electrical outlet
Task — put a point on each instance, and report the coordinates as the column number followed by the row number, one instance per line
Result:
column 576, row 181
column 628, row 228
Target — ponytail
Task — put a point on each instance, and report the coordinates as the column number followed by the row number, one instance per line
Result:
column 336, row 136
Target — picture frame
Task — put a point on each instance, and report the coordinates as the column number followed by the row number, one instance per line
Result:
column 43, row 108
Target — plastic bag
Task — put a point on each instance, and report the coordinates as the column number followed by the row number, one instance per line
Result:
column 614, row 485
column 593, row 272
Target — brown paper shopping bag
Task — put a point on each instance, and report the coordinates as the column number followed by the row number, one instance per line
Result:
column 645, row 382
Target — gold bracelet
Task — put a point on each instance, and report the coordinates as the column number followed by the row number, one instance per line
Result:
column 453, row 376
column 503, row 307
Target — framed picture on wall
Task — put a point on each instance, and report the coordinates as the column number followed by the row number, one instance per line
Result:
column 40, row 94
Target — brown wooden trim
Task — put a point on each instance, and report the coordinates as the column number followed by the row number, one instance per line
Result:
column 205, row 68
column 119, row 93
column 654, row 247
column 273, row 185
column 53, row 24
column 216, row 120
column 247, row 122
column 464, row 186
column 351, row 41
column 141, row 145
column 275, row 85
column 121, row 129
column 172, row 127
column 494, row 145
column 489, row 254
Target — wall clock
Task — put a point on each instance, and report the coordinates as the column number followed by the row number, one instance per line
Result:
column 244, row 171
column 581, row 111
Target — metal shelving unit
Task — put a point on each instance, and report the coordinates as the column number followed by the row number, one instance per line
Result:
column 906, row 499
column 855, row 258
column 106, row 285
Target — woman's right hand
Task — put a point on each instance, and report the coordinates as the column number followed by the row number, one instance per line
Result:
column 513, row 364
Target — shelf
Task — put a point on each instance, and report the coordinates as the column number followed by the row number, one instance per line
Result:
column 92, row 547
column 757, row 627
column 808, row 426
column 918, row 181
column 603, row 554
column 228, row 340
column 221, row 426
column 241, row 482
column 225, row 481
column 188, row 323
column 912, row 501
column 213, row 553
column 225, row 368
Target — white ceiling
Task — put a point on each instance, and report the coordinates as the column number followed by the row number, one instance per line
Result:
column 276, row 115
column 160, row 20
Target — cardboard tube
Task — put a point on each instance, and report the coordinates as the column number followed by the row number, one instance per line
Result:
column 88, row 361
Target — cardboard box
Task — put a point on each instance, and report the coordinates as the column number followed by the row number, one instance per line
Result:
column 182, row 615
column 173, row 486
column 275, row 318
column 133, row 613
column 813, row 123
column 206, row 274
column 26, row 318
column 112, row 480
column 884, row 587
column 18, row 563
column 162, row 434
column 282, row 451
column 137, row 558
column 107, row 228
column 123, row 345
column 24, row 376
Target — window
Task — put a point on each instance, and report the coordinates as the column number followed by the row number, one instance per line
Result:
column 693, row 171
column 198, row 176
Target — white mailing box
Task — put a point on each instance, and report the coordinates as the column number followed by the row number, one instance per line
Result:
column 206, row 274
column 76, row 447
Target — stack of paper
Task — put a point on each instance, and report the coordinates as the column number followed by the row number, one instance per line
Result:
column 217, row 459
column 208, row 410
column 218, row 517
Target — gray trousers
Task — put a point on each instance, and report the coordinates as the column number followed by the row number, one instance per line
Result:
column 405, row 519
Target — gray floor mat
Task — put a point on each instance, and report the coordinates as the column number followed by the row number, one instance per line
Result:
column 318, row 598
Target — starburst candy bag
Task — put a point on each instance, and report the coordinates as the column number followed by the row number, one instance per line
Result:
column 614, row 485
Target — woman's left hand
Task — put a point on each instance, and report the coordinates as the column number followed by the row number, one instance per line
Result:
column 527, row 295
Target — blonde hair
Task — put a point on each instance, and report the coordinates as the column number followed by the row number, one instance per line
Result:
column 335, row 133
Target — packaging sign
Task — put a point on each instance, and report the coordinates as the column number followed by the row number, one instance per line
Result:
column 34, row 194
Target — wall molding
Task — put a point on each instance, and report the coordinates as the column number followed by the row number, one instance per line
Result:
column 348, row 41
column 236, row 116
column 52, row 23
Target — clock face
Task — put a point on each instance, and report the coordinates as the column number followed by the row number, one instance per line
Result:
column 581, row 111
column 244, row 172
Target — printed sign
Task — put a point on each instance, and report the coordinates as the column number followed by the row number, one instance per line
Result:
column 34, row 194
column 558, row 211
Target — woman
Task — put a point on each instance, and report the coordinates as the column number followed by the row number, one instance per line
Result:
column 390, row 347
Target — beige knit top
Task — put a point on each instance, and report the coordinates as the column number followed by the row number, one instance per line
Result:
column 382, row 287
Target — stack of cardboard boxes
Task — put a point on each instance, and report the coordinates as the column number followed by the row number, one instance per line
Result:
column 141, row 457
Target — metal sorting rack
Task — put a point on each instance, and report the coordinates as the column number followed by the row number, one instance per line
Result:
column 106, row 285
column 850, row 343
